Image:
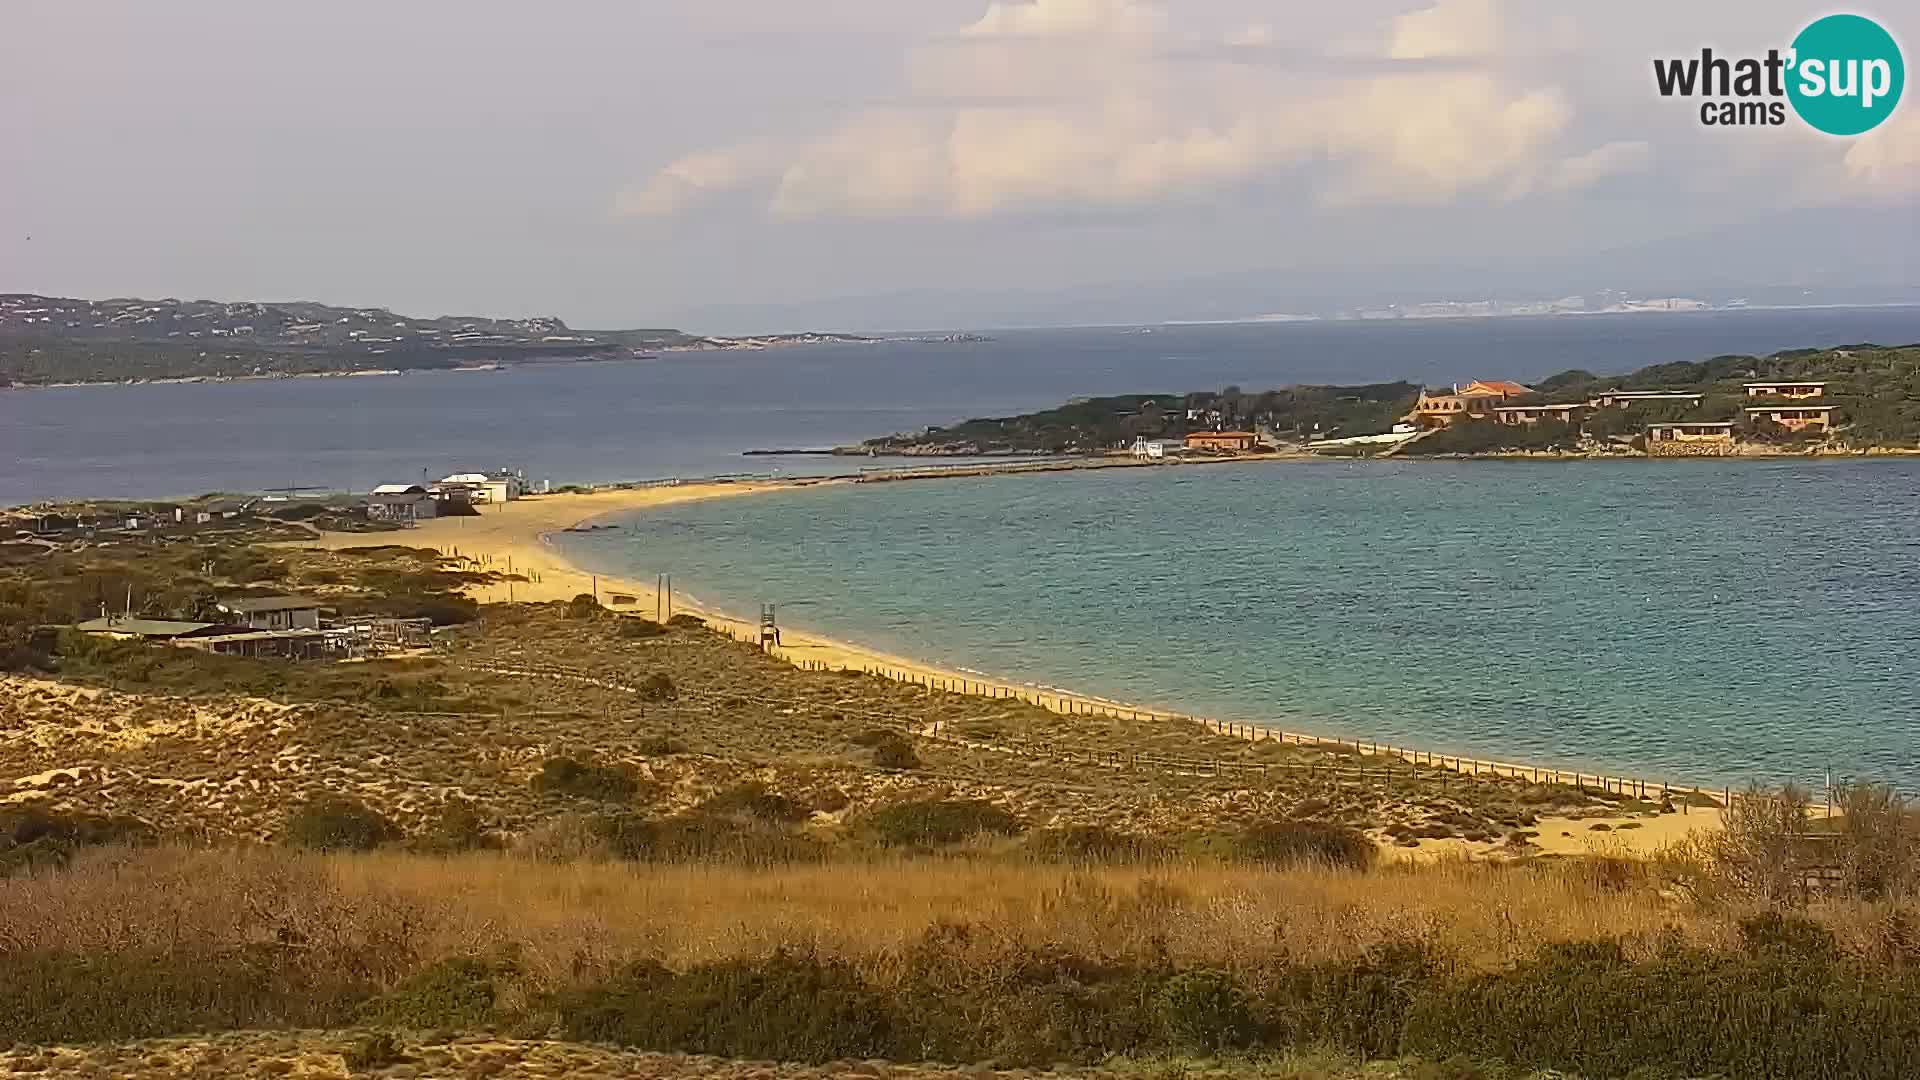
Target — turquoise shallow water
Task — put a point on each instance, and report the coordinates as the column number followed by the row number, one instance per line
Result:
column 1699, row 621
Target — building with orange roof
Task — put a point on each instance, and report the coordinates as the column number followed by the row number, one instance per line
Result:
column 1478, row 400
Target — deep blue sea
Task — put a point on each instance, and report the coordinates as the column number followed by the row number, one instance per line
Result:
column 692, row 414
column 1698, row 621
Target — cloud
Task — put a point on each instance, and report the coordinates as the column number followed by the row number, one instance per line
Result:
column 1601, row 163
column 1054, row 18
column 1448, row 29
column 1050, row 103
column 692, row 178
column 1886, row 160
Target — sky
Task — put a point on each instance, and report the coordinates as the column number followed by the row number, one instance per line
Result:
column 742, row 165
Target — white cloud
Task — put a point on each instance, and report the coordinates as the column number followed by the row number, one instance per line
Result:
column 688, row 180
column 1448, row 29
column 1887, row 159
column 1052, row 103
column 1601, row 163
column 1051, row 18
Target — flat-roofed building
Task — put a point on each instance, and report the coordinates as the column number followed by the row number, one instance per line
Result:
column 1533, row 414
column 273, row 612
column 1794, row 417
column 1710, row 438
column 1609, row 399
column 1230, row 442
column 1792, row 391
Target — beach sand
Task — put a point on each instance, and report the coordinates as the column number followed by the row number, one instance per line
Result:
column 516, row 539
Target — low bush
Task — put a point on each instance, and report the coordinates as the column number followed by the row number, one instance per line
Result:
column 700, row 837
column 59, row 997
column 633, row 627
column 455, row 993
column 1089, row 843
column 567, row 778
column 31, row 837
column 753, row 800
column 338, row 823
column 657, row 687
column 895, row 752
column 1204, row 1011
column 939, row 821
column 585, row 606
column 1586, row 1008
column 458, row 827
column 785, row 1007
column 374, row 1050
column 1290, row 842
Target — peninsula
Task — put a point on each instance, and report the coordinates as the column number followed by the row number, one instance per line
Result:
column 1852, row 399
column 48, row 340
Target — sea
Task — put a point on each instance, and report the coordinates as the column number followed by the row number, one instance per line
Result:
column 1701, row 622
column 1707, row 622
column 692, row 414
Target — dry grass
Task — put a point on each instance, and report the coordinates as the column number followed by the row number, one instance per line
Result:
column 574, row 919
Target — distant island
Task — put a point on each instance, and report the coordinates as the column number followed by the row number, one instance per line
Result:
column 1852, row 399
column 46, row 340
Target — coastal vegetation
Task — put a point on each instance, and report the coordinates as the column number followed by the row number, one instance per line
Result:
column 567, row 836
column 1497, row 971
column 1875, row 388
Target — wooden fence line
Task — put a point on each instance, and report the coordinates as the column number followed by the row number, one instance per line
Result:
column 1078, row 705
column 936, row 731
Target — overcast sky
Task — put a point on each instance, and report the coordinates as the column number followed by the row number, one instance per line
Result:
column 681, row 162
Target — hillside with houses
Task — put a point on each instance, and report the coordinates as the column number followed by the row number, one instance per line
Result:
column 1850, row 399
column 53, row 340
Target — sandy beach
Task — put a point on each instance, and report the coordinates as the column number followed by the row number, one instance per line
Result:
column 515, row 539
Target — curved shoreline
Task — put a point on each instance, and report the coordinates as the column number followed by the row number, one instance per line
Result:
column 516, row 539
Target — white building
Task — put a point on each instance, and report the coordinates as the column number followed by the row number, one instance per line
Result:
column 496, row 487
column 1155, row 449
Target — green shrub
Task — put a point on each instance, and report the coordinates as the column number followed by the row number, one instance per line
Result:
column 752, row 799
column 687, row 622
column 459, row 827
column 1358, row 1006
column 372, row 1051
column 700, row 837
column 657, row 687
column 1203, row 1010
column 1089, row 843
column 454, row 993
column 939, row 821
column 585, row 606
column 895, row 752
column 661, row 746
column 31, row 837
column 1586, row 1008
column 567, row 778
column 57, row 997
column 968, row 996
column 1286, row 842
column 1793, row 936
column 787, row 1007
column 633, row 627
column 338, row 823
